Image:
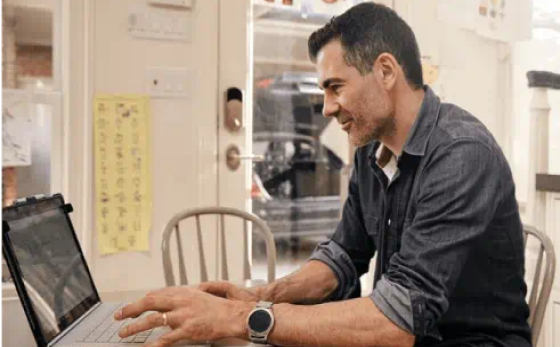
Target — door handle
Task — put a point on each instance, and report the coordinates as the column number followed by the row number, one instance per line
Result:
column 234, row 157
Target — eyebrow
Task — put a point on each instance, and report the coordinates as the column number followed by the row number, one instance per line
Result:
column 329, row 81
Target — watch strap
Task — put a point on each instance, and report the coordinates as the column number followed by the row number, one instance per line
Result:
column 264, row 304
column 259, row 339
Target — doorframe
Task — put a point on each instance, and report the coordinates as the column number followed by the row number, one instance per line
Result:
column 78, row 129
column 87, row 205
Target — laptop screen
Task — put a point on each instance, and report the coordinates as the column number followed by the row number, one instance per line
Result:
column 51, row 267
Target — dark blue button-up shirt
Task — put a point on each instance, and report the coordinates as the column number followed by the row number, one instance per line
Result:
column 446, row 230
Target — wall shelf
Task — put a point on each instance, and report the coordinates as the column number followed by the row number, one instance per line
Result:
column 548, row 183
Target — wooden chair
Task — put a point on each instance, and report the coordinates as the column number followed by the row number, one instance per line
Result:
column 538, row 299
column 221, row 213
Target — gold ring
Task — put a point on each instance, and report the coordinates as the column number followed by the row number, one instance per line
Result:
column 164, row 315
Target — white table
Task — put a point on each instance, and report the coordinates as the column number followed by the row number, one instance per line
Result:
column 15, row 329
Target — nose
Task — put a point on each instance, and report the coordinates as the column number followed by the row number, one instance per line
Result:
column 330, row 106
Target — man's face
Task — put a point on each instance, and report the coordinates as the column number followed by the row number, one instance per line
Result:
column 359, row 103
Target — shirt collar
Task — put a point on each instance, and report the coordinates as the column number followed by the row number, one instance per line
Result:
column 422, row 128
column 424, row 124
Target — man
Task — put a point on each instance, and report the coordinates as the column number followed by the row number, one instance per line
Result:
column 431, row 193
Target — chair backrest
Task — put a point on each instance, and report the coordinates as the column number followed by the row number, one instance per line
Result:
column 538, row 299
column 220, row 212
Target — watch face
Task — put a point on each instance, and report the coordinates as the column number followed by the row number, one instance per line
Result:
column 259, row 321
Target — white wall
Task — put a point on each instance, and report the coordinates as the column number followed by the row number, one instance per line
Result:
column 471, row 68
column 526, row 56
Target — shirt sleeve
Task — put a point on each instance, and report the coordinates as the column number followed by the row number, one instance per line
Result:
column 350, row 249
column 459, row 193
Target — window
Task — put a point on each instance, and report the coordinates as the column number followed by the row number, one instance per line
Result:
column 32, row 109
column 31, row 75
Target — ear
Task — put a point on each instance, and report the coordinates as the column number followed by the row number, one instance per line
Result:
column 388, row 69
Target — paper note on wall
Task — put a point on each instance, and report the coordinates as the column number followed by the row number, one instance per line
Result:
column 122, row 172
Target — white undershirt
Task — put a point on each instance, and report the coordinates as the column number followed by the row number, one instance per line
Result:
column 391, row 168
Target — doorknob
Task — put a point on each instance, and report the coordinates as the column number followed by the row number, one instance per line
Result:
column 234, row 157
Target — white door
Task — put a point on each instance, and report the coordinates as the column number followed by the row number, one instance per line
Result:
column 297, row 188
column 183, row 128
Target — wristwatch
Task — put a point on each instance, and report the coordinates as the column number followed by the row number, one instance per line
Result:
column 260, row 322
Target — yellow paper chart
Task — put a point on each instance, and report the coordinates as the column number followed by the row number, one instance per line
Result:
column 122, row 172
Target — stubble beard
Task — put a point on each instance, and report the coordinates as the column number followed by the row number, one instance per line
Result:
column 380, row 128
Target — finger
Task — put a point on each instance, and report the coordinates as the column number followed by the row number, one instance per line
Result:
column 154, row 320
column 148, row 303
column 168, row 339
column 166, row 291
column 216, row 288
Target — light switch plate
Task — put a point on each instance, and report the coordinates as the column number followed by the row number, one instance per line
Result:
column 164, row 82
column 162, row 23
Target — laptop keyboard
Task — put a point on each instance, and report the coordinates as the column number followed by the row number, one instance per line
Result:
column 108, row 331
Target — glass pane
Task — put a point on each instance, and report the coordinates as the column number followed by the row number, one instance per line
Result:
column 27, row 63
column 36, row 178
column 297, row 188
column 27, row 53
column 27, row 44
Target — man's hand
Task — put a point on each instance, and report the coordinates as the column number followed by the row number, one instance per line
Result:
column 190, row 313
column 221, row 289
column 229, row 290
column 311, row 284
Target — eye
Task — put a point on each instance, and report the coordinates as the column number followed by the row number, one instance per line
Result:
column 336, row 88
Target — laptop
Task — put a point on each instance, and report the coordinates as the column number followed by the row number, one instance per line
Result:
column 53, row 280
